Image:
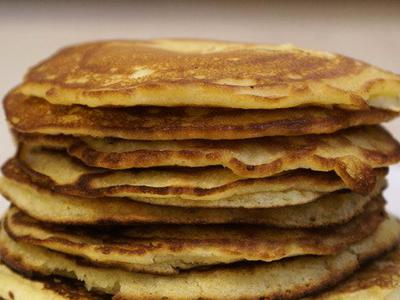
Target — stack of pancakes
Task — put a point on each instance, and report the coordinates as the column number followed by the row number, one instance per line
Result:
column 181, row 169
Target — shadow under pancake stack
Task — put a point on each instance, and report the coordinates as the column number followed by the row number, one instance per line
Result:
column 189, row 169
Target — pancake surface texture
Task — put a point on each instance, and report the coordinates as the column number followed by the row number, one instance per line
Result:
column 169, row 248
column 35, row 115
column 277, row 280
column 350, row 153
column 208, row 73
column 13, row 286
column 380, row 280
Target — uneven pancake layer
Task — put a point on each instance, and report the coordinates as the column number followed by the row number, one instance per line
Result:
column 284, row 279
column 350, row 153
column 57, row 171
column 167, row 249
column 48, row 206
column 208, row 73
column 378, row 280
column 208, row 187
column 34, row 115
column 16, row 287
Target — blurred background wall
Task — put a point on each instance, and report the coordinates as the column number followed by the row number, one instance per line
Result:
column 31, row 30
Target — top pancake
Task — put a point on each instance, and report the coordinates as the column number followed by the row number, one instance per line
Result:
column 208, row 73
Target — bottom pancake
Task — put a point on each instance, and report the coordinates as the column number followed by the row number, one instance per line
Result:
column 14, row 286
column 284, row 279
column 379, row 280
column 168, row 249
column 46, row 206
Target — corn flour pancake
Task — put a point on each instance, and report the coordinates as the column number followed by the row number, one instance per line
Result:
column 208, row 73
column 168, row 249
column 379, row 280
column 54, row 171
column 350, row 153
column 47, row 206
column 201, row 186
column 207, row 187
column 16, row 287
column 247, row 158
column 284, row 279
column 35, row 115
column 271, row 192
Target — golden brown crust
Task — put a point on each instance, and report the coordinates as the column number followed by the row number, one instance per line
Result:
column 139, row 248
column 188, row 188
column 285, row 279
column 209, row 187
column 46, row 206
column 208, row 73
column 378, row 280
column 34, row 115
column 351, row 153
column 17, row 287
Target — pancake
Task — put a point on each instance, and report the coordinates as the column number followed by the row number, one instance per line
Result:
column 246, row 158
column 187, row 189
column 48, row 206
column 350, row 153
column 379, row 280
column 209, row 187
column 35, row 115
column 168, row 249
column 272, row 192
column 16, row 287
column 208, row 73
column 285, row 279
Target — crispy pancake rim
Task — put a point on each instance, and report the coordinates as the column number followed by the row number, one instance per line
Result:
column 352, row 154
column 34, row 115
column 279, row 280
column 42, row 204
column 209, row 187
column 174, row 248
column 15, row 286
column 294, row 188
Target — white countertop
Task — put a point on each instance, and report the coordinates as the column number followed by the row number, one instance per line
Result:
column 368, row 30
